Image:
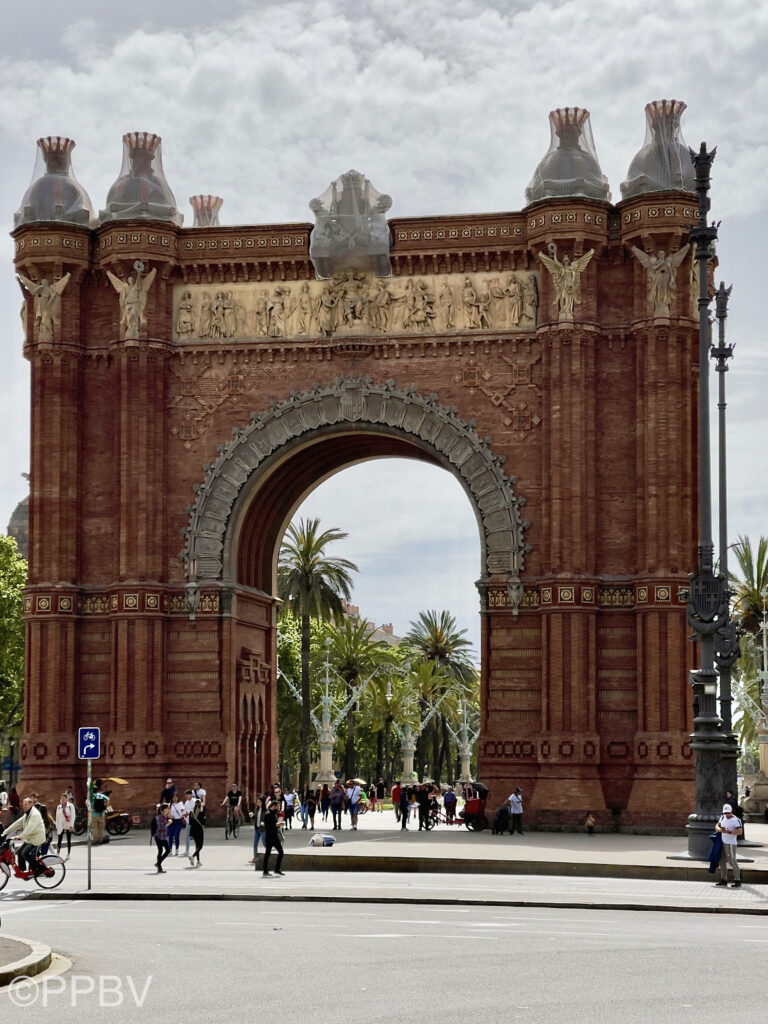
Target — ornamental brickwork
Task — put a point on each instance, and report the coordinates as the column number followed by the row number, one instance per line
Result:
column 171, row 441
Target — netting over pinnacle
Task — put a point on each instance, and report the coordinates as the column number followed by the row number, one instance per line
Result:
column 54, row 194
column 664, row 163
column 351, row 230
column 570, row 166
column 141, row 190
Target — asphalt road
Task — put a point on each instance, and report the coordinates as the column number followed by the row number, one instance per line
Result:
column 331, row 963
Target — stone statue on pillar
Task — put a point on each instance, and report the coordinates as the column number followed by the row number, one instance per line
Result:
column 47, row 303
column 133, row 299
column 566, row 278
column 662, row 273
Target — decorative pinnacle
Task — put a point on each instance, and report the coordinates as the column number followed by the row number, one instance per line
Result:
column 666, row 110
column 568, row 117
column 56, row 144
column 206, row 209
column 721, row 300
column 56, row 150
column 136, row 141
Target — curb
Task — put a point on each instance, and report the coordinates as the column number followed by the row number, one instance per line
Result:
column 395, row 900
column 37, row 961
column 458, row 866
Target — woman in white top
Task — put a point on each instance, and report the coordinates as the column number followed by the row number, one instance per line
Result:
column 177, row 819
column 65, row 823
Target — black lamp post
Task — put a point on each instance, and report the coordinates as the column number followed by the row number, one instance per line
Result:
column 727, row 648
column 707, row 608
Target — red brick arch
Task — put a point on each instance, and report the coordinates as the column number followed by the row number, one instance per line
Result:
column 263, row 474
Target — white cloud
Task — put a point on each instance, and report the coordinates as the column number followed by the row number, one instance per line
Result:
column 443, row 105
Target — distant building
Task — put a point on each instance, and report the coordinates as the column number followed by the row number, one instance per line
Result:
column 385, row 632
column 18, row 527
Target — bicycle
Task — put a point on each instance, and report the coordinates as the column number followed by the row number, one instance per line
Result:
column 52, row 876
column 232, row 825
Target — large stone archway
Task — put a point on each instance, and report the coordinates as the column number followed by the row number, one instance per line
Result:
column 463, row 358
column 364, row 414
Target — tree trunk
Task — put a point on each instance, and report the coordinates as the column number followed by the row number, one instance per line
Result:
column 379, row 756
column 349, row 754
column 306, row 721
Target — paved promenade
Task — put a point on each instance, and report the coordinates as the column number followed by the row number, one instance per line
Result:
column 447, row 864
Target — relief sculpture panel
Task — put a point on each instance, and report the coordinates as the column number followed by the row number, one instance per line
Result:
column 353, row 303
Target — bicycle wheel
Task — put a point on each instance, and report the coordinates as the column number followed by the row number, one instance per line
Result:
column 5, row 874
column 228, row 827
column 57, row 866
column 80, row 823
column 235, row 828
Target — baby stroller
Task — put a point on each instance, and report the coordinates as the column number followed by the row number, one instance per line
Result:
column 500, row 820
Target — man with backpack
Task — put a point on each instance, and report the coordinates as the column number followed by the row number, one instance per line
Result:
column 99, row 804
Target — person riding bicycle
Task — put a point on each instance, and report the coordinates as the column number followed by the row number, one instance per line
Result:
column 32, row 829
column 234, row 801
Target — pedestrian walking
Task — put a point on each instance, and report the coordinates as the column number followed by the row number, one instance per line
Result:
column 290, row 802
column 516, row 812
column 325, row 801
column 449, row 803
column 65, row 823
column 311, row 806
column 189, row 805
column 166, row 793
column 730, row 828
column 381, row 790
column 162, row 820
column 200, row 794
column 338, row 797
column 405, row 795
column 99, row 804
column 176, row 823
column 258, row 826
column 353, row 802
column 396, row 790
column 197, row 832
column 272, row 840
column 589, row 823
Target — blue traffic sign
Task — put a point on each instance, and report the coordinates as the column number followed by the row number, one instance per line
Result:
column 88, row 743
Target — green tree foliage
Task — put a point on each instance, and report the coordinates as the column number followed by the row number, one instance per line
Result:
column 435, row 638
column 13, row 576
column 750, row 587
column 355, row 655
column 312, row 585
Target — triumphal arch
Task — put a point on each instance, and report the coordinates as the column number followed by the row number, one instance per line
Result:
column 190, row 386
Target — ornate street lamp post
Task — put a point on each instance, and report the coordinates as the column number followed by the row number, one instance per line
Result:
column 727, row 648
column 707, row 609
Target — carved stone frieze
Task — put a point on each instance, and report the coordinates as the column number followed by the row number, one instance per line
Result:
column 353, row 400
column 355, row 303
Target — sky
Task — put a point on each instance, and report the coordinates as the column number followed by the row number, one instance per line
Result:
column 444, row 107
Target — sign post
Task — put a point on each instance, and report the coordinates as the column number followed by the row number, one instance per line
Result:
column 88, row 749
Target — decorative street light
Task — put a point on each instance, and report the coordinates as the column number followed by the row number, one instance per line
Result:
column 408, row 736
column 707, row 608
column 465, row 740
column 327, row 725
column 727, row 647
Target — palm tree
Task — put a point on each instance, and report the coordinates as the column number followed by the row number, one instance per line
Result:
column 312, row 586
column 435, row 638
column 751, row 583
column 354, row 655
column 750, row 586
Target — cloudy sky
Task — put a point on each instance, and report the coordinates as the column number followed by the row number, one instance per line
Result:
column 442, row 105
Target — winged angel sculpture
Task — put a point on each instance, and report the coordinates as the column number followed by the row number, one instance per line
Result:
column 133, row 299
column 47, row 304
column 662, row 272
column 566, row 277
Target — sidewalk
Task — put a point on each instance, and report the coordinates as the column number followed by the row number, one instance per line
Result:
column 379, row 862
